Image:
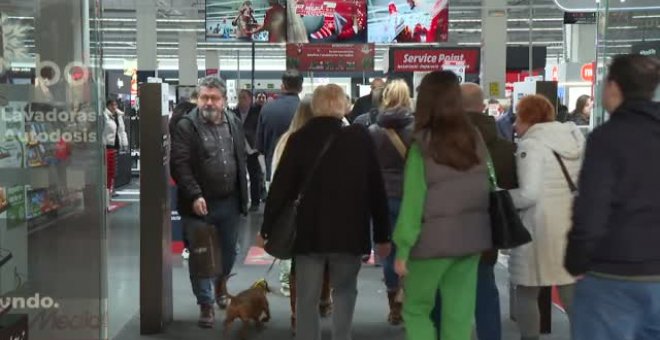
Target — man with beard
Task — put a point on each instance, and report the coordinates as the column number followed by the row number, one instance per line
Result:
column 208, row 163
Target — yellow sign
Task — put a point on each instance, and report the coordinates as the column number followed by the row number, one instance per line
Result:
column 494, row 89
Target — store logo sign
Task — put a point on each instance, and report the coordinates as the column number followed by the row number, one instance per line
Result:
column 587, row 72
column 49, row 73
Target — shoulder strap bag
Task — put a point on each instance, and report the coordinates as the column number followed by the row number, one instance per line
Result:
column 507, row 228
column 397, row 142
column 567, row 176
column 282, row 239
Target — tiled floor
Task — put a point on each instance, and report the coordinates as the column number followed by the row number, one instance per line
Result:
column 369, row 317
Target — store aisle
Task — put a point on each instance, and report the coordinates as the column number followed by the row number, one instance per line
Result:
column 370, row 320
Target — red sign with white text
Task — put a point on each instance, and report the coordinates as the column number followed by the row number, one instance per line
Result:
column 425, row 60
column 330, row 57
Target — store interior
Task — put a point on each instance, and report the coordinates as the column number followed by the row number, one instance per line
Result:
column 63, row 237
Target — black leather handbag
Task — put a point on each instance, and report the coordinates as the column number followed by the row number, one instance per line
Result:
column 507, row 228
column 282, row 238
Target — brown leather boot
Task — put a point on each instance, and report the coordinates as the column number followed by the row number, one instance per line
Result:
column 325, row 307
column 394, row 317
column 206, row 316
column 221, row 293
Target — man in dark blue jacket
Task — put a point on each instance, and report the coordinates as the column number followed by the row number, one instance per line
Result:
column 615, row 240
column 277, row 115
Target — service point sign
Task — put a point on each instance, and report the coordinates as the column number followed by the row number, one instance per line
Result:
column 425, row 60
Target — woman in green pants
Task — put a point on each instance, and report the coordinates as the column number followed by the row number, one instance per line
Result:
column 444, row 223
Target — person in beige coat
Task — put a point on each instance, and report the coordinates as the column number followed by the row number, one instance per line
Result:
column 544, row 199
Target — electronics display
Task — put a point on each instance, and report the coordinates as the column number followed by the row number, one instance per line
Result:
column 255, row 20
column 329, row 21
column 408, row 21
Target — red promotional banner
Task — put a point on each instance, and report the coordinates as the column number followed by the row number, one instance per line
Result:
column 424, row 60
column 330, row 57
column 408, row 21
column 329, row 21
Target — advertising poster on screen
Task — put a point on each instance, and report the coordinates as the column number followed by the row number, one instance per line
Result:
column 331, row 57
column 408, row 21
column 247, row 21
column 328, row 21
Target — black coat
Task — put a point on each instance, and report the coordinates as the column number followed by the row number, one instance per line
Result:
column 616, row 218
column 362, row 106
column 391, row 161
column 345, row 193
column 502, row 151
column 250, row 124
column 187, row 160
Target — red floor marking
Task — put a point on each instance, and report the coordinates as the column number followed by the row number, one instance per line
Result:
column 258, row 257
column 114, row 206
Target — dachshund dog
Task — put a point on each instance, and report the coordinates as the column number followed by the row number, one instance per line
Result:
column 249, row 305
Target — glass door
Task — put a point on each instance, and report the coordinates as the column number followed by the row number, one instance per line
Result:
column 52, row 185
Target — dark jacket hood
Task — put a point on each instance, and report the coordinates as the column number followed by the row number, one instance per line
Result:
column 646, row 108
column 395, row 118
column 486, row 124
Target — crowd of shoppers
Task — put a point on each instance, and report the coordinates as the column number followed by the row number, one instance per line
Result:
column 418, row 192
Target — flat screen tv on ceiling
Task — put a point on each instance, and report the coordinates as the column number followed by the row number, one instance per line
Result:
column 328, row 21
column 408, row 21
column 246, row 21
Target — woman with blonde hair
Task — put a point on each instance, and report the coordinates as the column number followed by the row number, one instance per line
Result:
column 392, row 133
column 287, row 267
column 333, row 217
column 396, row 96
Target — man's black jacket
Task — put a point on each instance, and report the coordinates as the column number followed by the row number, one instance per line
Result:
column 250, row 124
column 188, row 159
column 616, row 218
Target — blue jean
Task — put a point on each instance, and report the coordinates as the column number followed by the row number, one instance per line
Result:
column 608, row 309
column 225, row 216
column 391, row 277
column 488, row 313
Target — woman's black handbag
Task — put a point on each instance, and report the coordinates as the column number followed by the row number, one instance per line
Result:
column 282, row 238
column 507, row 228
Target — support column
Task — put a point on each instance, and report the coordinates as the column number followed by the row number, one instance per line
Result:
column 187, row 58
column 212, row 63
column 146, row 39
column 493, row 49
column 581, row 43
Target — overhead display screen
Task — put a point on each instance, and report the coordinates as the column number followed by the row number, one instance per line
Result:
column 255, row 20
column 328, row 21
column 408, row 21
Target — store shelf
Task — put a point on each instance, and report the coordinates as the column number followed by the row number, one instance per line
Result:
column 20, row 176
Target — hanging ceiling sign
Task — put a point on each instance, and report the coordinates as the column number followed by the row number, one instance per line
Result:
column 330, row 57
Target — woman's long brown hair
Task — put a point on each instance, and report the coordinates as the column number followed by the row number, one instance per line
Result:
column 441, row 115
